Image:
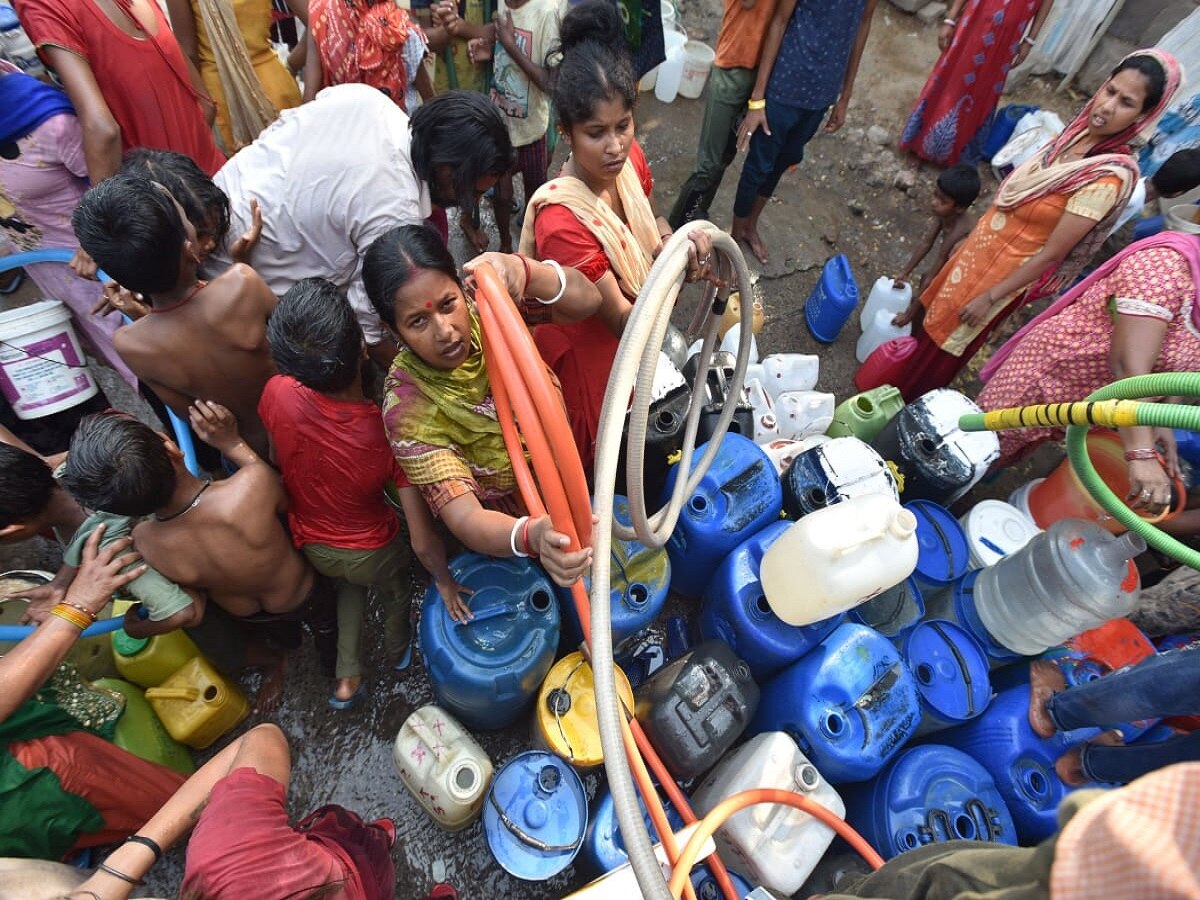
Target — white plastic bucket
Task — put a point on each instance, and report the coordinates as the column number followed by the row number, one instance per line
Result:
column 671, row 71
column 994, row 530
column 42, row 366
column 697, row 63
column 1183, row 217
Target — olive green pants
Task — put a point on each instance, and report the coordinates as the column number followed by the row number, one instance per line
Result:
column 354, row 572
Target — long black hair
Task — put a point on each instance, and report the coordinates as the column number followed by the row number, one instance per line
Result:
column 395, row 257
column 462, row 130
column 596, row 65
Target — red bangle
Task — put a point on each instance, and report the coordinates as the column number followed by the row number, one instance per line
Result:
column 528, row 275
column 525, row 539
column 1144, row 453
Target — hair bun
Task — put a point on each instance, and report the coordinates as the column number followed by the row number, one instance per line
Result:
column 593, row 20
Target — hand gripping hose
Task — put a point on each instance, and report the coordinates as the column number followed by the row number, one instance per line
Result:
column 1115, row 406
column 183, row 435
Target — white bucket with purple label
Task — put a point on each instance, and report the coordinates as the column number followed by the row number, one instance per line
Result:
column 42, row 366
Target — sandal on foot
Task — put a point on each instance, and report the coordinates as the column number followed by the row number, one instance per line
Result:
column 337, row 702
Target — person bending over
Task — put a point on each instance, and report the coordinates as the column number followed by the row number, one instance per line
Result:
column 202, row 338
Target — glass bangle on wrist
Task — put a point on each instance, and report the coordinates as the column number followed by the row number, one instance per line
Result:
column 562, row 284
column 518, row 525
column 756, row 104
column 1141, row 453
column 953, row 23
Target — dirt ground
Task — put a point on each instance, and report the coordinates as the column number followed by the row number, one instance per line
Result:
column 839, row 200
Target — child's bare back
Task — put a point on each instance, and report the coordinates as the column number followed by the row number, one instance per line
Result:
column 212, row 345
column 232, row 546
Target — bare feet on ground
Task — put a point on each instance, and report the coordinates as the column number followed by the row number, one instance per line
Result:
column 1045, row 680
column 270, row 690
column 748, row 235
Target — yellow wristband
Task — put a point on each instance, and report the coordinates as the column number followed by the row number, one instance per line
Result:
column 67, row 614
column 756, row 104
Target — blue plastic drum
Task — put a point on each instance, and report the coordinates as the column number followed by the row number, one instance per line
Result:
column 535, row 815
column 951, row 671
column 944, row 555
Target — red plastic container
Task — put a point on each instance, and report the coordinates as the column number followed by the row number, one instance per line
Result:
column 885, row 364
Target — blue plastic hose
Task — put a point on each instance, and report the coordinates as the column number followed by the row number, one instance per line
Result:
column 18, row 632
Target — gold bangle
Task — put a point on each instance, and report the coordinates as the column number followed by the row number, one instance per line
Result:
column 67, row 614
column 83, row 609
column 756, row 104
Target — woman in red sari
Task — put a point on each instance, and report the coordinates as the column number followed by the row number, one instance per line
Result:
column 127, row 79
column 980, row 41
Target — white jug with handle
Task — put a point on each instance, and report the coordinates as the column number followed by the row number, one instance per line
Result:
column 848, row 553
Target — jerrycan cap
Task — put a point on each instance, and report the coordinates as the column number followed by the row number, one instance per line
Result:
column 125, row 645
column 535, row 816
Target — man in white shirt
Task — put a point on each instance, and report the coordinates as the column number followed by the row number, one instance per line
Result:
column 334, row 174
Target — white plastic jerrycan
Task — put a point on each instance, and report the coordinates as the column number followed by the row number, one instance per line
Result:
column 799, row 414
column 775, row 846
column 878, row 330
column 730, row 342
column 440, row 763
column 766, row 426
column 789, row 372
column 884, row 295
column 848, row 553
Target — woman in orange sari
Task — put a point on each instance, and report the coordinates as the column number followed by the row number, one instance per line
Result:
column 1046, row 221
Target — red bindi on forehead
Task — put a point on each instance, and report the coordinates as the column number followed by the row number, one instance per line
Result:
column 428, row 304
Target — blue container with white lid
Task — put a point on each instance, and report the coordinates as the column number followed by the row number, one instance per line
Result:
column 950, row 668
column 535, row 815
column 929, row 794
column 738, row 496
column 735, row 610
column 945, row 554
column 832, row 301
column 487, row 670
column 957, row 604
column 641, row 580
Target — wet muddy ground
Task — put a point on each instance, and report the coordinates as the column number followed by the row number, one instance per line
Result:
column 839, row 200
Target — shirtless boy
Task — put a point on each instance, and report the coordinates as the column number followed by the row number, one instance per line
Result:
column 201, row 339
column 221, row 538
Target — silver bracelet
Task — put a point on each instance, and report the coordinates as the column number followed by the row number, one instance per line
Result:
column 562, row 284
column 953, row 23
column 1029, row 40
column 512, row 536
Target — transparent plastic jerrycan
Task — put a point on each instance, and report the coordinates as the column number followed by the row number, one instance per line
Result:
column 197, row 704
column 1070, row 578
column 775, row 846
column 838, row 557
column 442, row 766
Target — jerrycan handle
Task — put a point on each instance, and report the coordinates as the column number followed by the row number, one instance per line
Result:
column 190, row 694
column 900, row 524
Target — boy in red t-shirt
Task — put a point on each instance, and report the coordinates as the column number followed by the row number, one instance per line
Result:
column 329, row 443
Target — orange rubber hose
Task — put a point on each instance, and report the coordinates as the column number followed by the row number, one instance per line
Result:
column 730, row 805
column 523, row 395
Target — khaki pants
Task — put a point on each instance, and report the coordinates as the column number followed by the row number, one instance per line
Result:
column 354, row 571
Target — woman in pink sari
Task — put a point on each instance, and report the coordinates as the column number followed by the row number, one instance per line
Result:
column 1138, row 313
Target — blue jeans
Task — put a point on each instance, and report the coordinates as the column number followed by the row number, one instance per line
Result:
column 772, row 155
column 1163, row 685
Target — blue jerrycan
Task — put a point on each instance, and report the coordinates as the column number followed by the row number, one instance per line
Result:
column 929, row 794
column 945, row 554
column 735, row 610
column 951, row 671
column 641, row 579
column 850, row 704
column 832, row 301
column 485, row 672
column 603, row 848
column 738, row 496
column 1020, row 762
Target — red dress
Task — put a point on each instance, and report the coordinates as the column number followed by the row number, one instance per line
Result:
column 145, row 81
column 581, row 354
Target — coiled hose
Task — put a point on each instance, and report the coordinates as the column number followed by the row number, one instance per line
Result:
column 1117, row 405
